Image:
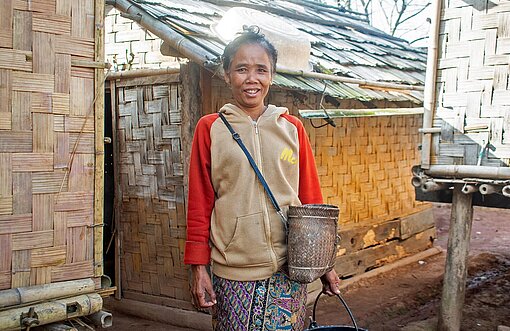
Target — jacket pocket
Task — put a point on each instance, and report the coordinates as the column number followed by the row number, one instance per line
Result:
column 248, row 246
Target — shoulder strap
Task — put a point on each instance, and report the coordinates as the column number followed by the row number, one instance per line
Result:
column 237, row 138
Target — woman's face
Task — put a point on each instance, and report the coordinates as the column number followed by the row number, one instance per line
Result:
column 250, row 76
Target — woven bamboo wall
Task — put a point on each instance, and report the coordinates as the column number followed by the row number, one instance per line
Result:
column 152, row 214
column 46, row 119
column 472, row 88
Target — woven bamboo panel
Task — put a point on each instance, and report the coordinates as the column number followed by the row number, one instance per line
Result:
column 472, row 86
column 152, row 215
column 46, row 208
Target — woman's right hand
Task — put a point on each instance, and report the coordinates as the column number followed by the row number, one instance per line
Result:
column 202, row 293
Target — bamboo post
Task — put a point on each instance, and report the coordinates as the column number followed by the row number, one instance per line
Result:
column 99, row 76
column 454, row 284
column 117, row 195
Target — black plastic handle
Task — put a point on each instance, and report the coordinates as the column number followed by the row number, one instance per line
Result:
column 313, row 324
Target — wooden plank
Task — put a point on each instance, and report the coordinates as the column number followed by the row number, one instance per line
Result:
column 69, row 201
column 42, row 205
column 22, row 33
column 79, row 245
column 51, row 23
column 39, row 239
column 21, row 116
column 42, row 135
column 22, row 193
column 70, row 271
column 60, row 228
column 454, row 284
column 6, row 205
column 10, row 224
column 417, row 222
column 43, row 53
column 14, row 60
column 49, row 256
column 29, row 162
column 49, row 182
column 5, row 174
column 32, row 82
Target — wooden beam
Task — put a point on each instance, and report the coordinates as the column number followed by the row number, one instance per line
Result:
column 454, row 284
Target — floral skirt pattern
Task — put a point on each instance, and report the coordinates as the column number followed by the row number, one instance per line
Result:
column 276, row 303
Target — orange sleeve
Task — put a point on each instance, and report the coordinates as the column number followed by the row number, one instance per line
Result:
column 309, row 185
column 200, row 195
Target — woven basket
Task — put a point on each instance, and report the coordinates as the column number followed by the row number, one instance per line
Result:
column 312, row 241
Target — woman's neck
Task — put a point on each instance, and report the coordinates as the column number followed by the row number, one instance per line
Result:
column 254, row 113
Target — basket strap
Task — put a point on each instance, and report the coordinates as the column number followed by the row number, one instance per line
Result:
column 237, row 138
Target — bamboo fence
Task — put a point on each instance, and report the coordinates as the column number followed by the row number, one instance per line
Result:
column 472, row 103
column 51, row 141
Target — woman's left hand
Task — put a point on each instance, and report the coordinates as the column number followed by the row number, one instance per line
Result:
column 330, row 282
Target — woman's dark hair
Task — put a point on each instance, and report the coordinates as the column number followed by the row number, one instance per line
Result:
column 250, row 35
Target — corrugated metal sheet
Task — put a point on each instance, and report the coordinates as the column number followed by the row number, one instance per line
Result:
column 342, row 44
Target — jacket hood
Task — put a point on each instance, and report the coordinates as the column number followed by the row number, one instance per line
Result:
column 272, row 110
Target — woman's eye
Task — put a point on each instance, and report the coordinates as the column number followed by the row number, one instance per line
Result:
column 241, row 70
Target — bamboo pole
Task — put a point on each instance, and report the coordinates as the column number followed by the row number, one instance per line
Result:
column 101, row 319
column 24, row 295
column 141, row 73
column 53, row 311
column 429, row 97
column 117, row 195
column 454, row 284
column 468, row 171
column 99, row 76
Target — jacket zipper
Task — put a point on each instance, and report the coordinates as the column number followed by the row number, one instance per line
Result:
column 267, row 222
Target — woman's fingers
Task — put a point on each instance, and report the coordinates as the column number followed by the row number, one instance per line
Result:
column 330, row 283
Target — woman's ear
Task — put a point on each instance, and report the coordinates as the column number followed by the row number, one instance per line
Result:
column 227, row 78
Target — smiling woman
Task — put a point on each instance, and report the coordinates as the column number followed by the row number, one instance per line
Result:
column 230, row 219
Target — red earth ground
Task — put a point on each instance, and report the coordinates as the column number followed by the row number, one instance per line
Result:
column 407, row 298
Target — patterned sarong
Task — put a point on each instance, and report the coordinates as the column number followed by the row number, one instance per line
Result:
column 276, row 303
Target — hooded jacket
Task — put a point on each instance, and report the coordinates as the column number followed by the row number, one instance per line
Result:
column 230, row 219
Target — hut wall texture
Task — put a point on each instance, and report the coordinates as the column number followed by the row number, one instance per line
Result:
column 472, row 86
column 152, row 207
column 128, row 45
column 47, row 141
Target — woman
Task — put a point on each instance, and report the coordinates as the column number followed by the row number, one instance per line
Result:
column 230, row 219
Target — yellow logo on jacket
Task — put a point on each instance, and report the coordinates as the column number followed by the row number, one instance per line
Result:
column 288, row 155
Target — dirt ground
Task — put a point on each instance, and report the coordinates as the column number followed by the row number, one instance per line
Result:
column 408, row 298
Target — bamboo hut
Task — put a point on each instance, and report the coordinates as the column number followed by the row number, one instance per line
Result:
column 466, row 128
column 369, row 84
column 51, row 160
